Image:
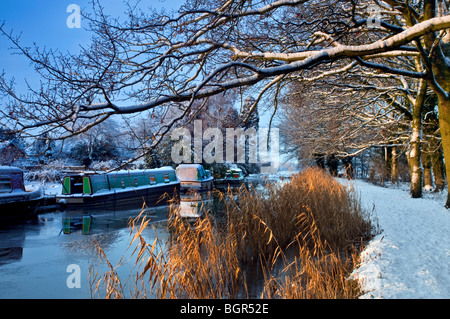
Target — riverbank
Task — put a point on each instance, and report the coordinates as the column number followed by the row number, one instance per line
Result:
column 410, row 257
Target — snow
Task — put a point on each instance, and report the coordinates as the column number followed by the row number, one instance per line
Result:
column 49, row 188
column 410, row 257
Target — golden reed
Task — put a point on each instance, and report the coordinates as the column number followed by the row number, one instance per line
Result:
column 304, row 235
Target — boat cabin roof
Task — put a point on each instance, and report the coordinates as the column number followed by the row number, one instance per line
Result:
column 4, row 170
column 165, row 169
column 124, row 172
column 191, row 172
column 189, row 166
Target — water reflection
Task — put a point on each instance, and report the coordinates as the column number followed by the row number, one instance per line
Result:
column 193, row 205
column 88, row 221
column 34, row 254
column 12, row 239
column 94, row 221
column 10, row 254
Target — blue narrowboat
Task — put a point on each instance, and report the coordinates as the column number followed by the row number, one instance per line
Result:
column 16, row 200
column 152, row 186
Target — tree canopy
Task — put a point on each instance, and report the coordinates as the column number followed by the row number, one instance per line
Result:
column 157, row 60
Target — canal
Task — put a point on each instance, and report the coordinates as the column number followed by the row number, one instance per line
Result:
column 40, row 258
column 53, row 255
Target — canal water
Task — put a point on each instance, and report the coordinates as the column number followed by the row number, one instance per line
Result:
column 43, row 258
column 53, row 255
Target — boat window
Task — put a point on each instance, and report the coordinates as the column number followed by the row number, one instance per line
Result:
column 76, row 184
column 135, row 182
column 166, row 178
column 5, row 185
column 152, row 180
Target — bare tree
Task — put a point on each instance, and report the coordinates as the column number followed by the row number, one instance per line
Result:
column 152, row 60
column 99, row 143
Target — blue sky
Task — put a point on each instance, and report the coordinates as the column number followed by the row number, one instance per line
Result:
column 44, row 22
column 41, row 22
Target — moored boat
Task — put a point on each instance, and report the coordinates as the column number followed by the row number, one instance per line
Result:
column 119, row 188
column 194, row 177
column 233, row 177
column 16, row 200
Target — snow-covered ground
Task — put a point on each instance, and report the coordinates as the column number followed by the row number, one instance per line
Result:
column 410, row 258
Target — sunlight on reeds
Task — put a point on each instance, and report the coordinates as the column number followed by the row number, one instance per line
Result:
column 303, row 236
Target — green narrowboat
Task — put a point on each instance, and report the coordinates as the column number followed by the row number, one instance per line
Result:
column 151, row 186
column 233, row 177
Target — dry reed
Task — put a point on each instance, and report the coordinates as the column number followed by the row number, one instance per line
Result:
column 305, row 235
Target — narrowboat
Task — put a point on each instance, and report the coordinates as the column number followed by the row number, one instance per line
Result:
column 194, row 177
column 16, row 200
column 233, row 177
column 119, row 188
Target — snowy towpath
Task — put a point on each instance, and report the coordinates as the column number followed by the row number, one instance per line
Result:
column 410, row 258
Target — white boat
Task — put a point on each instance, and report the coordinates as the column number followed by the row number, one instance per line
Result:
column 194, row 177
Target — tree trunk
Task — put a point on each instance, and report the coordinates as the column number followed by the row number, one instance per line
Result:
column 394, row 165
column 414, row 154
column 414, row 161
column 427, row 176
column 441, row 75
column 444, row 123
column 387, row 164
column 437, row 161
